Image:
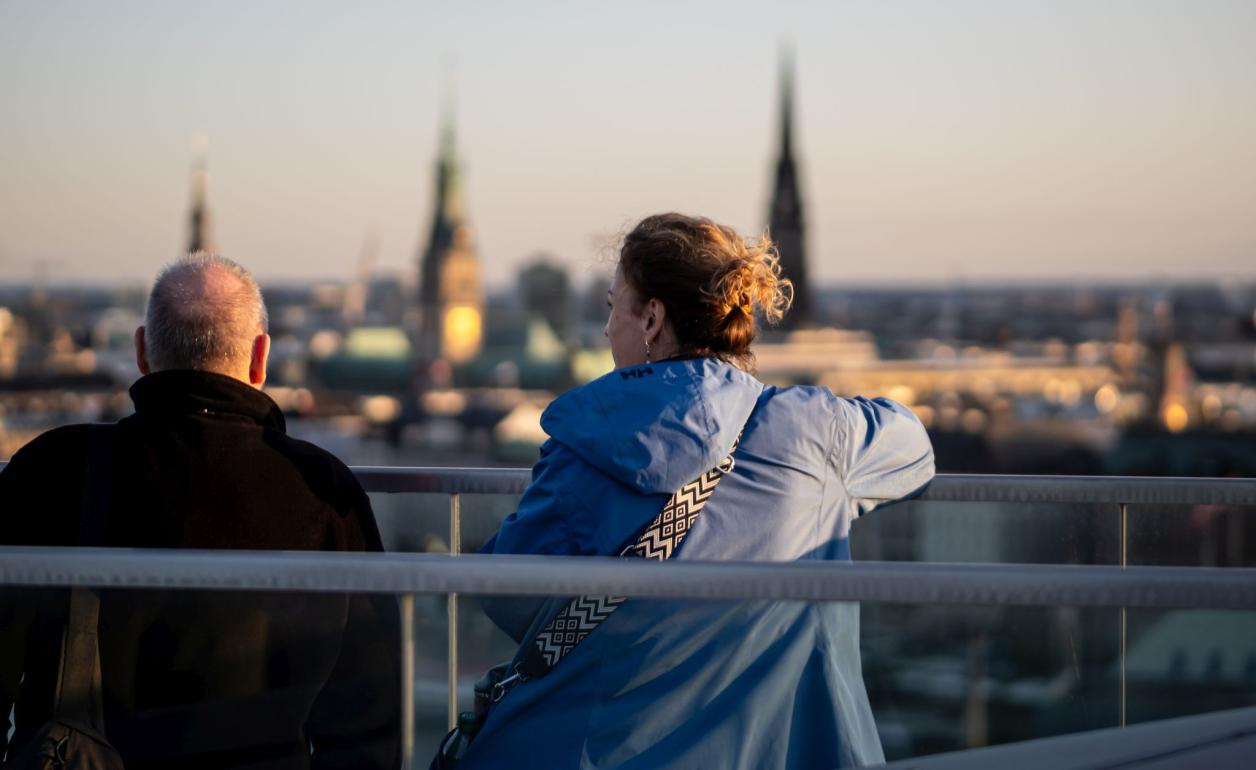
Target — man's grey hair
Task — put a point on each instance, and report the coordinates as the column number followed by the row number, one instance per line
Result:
column 203, row 313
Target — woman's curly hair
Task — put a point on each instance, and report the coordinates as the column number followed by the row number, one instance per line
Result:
column 712, row 282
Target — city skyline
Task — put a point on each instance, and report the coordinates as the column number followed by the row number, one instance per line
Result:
column 982, row 141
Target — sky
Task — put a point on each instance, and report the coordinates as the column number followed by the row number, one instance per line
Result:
column 938, row 141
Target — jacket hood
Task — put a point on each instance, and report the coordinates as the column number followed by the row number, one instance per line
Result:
column 187, row 391
column 655, row 427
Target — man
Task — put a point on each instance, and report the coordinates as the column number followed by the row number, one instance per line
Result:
column 206, row 679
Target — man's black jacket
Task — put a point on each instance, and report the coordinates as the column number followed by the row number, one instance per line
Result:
column 208, row 679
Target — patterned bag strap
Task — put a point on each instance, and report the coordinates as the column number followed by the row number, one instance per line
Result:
column 582, row 615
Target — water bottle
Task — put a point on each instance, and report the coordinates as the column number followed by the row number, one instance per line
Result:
column 456, row 743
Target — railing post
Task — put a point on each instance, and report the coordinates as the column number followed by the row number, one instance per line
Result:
column 455, row 548
column 407, row 681
column 1124, row 563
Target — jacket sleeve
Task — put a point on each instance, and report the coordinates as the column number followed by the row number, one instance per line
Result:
column 15, row 622
column 20, row 498
column 882, row 450
column 541, row 525
column 355, row 721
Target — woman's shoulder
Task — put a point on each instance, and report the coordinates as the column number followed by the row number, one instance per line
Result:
column 813, row 400
column 853, row 422
column 812, row 404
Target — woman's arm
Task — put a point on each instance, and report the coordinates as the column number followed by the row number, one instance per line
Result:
column 541, row 525
column 884, row 451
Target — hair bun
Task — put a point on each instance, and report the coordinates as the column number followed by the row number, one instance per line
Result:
column 752, row 280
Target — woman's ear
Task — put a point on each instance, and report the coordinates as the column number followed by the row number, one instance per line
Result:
column 654, row 316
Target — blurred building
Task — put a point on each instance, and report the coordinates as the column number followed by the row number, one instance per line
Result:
column 12, row 339
column 592, row 312
column 546, row 292
column 519, row 351
column 371, row 359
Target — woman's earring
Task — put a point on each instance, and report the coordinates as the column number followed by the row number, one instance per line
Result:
column 647, row 351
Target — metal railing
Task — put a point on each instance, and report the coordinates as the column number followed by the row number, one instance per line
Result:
column 1120, row 491
column 945, row 487
column 409, row 574
column 406, row 575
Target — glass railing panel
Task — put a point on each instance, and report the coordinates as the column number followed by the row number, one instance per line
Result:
column 412, row 523
column 431, row 667
column 482, row 516
column 419, row 523
column 944, row 678
column 1013, row 533
column 1192, row 535
column 1190, row 661
column 1182, row 662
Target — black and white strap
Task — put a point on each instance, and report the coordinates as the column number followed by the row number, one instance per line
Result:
column 582, row 615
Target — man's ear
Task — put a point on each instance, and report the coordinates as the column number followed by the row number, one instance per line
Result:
column 260, row 354
column 141, row 351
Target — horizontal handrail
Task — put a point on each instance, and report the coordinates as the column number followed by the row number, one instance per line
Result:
column 1137, row 490
column 948, row 487
column 395, row 573
column 945, row 487
column 448, row 481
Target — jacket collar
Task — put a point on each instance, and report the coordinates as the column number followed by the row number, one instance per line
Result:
column 186, row 391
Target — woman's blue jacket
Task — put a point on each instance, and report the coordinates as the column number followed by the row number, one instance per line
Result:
column 689, row 683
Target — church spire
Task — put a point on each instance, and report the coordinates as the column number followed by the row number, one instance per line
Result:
column 451, row 295
column 200, row 236
column 448, row 175
column 787, row 104
column 785, row 217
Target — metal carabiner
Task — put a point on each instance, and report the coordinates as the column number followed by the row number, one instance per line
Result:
column 506, row 685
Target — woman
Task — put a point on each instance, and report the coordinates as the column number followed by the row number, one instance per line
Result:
column 699, row 684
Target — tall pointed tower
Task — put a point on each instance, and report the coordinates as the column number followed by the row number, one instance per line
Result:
column 451, row 292
column 200, row 236
column 785, row 220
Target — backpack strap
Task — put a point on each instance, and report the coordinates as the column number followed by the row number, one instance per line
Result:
column 582, row 615
column 78, row 693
